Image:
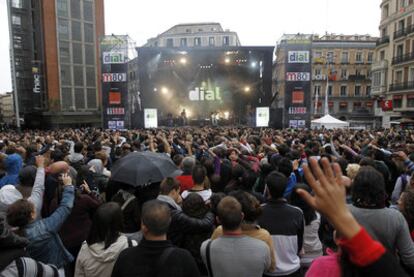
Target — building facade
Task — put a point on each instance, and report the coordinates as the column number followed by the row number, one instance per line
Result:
column 341, row 67
column 306, row 66
column 55, row 60
column 7, row 108
column 195, row 35
column 393, row 68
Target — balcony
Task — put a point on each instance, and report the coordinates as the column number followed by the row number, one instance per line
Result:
column 400, row 33
column 402, row 86
column 359, row 77
column 410, row 29
column 403, row 58
column 383, row 40
column 379, row 65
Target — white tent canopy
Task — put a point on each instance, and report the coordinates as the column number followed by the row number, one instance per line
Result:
column 329, row 122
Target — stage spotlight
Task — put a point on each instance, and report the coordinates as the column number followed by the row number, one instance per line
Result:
column 155, row 89
column 246, row 89
column 226, row 115
column 253, row 64
column 227, row 60
column 164, row 90
column 183, row 61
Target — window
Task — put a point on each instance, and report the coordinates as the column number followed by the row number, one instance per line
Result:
column 400, row 49
column 344, row 74
column 75, row 9
column 62, row 8
column 188, row 30
column 66, row 98
column 77, row 53
column 87, row 11
column 211, row 41
column 329, row 90
column 78, row 76
column 65, row 75
column 411, row 76
column 376, row 81
column 317, row 90
column 357, row 90
column 345, row 57
column 397, row 101
column 317, row 54
column 79, row 99
column 89, row 54
column 90, row 77
column 63, row 29
column 197, row 41
column 64, row 52
column 368, row 91
column 370, row 57
column 17, row 4
column 91, row 98
column 16, row 20
column 385, row 11
column 398, row 77
column 410, row 101
column 88, row 32
column 343, row 91
column 170, row 42
column 382, row 55
column 226, row 40
column 330, row 57
column 183, row 42
column 343, row 107
column 76, row 31
column 357, row 106
column 358, row 57
column 318, row 71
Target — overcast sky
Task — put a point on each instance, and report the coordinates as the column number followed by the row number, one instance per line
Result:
column 258, row 22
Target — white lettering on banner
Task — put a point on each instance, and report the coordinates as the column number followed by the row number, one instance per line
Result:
column 298, row 56
column 298, row 76
column 36, row 83
column 115, row 111
column 114, row 77
column 200, row 94
column 114, row 57
column 297, row 110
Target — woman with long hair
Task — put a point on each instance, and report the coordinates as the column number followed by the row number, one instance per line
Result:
column 104, row 243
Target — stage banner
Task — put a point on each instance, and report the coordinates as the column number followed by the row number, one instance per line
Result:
column 262, row 116
column 150, row 118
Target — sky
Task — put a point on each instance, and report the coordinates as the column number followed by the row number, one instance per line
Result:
column 258, row 22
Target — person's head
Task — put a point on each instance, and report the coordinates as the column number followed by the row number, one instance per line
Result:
column 188, row 165
column 250, row 205
column 285, row 167
column 406, row 205
column 27, row 176
column 101, row 155
column 276, row 184
column 20, row 214
column 199, row 174
column 178, row 159
column 57, row 155
column 352, row 170
column 368, row 188
column 215, row 200
column 106, row 224
column 296, row 200
column 171, row 187
column 229, row 213
column 78, row 148
column 194, row 206
column 155, row 219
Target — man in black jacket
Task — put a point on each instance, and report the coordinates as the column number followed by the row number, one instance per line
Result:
column 285, row 224
column 155, row 255
column 180, row 222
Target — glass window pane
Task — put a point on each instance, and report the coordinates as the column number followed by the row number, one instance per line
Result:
column 75, row 9
column 16, row 20
column 64, row 52
column 63, row 29
column 91, row 95
column 17, row 4
column 89, row 54
column 76, row 31
column 66, row 98
column 65, row 75
column 87, row 11
column 90, row 77
column 78, row 76
column 79, row 98
column 77, row 53
column 88, row 32
column 62, row 7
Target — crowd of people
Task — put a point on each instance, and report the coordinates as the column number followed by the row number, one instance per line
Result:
column 242, row 202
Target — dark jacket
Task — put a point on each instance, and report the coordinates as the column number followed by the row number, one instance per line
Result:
column 143, row 261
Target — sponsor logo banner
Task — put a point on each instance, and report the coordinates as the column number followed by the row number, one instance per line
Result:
column 114, row 77
column 297, row 76
column 298, row 56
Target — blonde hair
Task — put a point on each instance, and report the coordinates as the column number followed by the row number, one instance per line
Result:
column 352, row 170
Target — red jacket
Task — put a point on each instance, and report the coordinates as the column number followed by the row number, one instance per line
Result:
column 186, row 182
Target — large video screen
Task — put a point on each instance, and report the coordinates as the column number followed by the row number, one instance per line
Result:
column 204, row 82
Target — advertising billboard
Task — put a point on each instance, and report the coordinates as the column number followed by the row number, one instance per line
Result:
column 262, row 116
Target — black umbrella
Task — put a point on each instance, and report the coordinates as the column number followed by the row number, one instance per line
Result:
column 141, row 168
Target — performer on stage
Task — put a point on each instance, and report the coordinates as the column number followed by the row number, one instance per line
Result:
column 184, row 117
